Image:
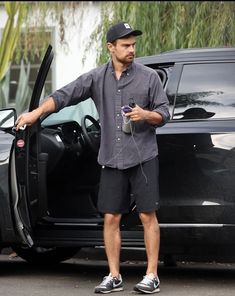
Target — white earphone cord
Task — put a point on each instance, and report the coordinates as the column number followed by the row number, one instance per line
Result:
column 141, row 166
column 138, row 151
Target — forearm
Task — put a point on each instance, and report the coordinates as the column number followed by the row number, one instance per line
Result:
column 152, row 117
column 47, row 106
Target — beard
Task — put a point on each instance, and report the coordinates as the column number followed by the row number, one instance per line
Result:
column 125, row 60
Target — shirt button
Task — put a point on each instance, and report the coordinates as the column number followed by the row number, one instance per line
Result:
column 119, row 90
column 118, row 139
column 118, row 126
column 118, row 114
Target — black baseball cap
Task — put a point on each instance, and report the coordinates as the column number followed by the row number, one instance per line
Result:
column 121, row 30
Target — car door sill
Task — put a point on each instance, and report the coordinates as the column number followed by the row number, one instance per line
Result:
column 192, row 225
column 72, row 221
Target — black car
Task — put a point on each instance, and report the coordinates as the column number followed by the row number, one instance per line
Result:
column 49, row 175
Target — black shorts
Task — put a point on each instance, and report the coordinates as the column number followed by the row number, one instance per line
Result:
column 121, row 190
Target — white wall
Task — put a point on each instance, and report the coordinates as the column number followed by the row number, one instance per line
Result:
column 68, row 64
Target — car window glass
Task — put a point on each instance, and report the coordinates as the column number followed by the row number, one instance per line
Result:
column 7, row 118
column 72, row 113
column 206, row 91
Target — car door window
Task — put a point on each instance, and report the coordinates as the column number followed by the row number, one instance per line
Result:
column 206, row 91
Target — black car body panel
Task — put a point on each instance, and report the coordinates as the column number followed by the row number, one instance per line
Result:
column 196, row 151
column 28, row 166
column 7, row 232
column 57, row 174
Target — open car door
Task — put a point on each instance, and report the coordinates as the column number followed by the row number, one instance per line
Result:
column 28, row 166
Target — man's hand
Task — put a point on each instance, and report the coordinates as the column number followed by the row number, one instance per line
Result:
column 138, row 114
column 28, row 118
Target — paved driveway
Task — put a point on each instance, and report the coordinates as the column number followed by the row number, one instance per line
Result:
column 79, row 275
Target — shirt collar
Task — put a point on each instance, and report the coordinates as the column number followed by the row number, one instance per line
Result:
column 130, row 69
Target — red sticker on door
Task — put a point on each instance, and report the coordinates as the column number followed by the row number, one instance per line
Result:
column 20, row 143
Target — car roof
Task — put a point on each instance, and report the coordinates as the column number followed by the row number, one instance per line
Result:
column 189, row 55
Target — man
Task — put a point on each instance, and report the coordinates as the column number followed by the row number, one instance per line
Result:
column 128, row 156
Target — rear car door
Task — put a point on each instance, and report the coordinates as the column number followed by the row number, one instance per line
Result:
column 28, row 166
column 197, row 148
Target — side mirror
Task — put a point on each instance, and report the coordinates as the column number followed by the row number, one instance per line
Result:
column 7, row 119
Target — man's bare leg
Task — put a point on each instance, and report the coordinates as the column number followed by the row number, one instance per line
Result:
column 152, row 240
column 112, row 240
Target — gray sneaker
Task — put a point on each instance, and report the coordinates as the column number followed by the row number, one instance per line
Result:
column 148, row 285
column 109, row 284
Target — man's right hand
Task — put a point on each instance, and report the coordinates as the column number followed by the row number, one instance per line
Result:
column 28, row 118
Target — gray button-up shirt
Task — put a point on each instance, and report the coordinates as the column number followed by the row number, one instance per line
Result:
column 138, row 82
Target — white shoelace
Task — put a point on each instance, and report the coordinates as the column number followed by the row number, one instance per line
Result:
column 106, row 280
column 147, row 279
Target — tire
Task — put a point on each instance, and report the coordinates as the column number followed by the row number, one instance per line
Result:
column 45, row 256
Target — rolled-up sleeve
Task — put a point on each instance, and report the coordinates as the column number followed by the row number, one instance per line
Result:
column 74, row 92
column 158, row 99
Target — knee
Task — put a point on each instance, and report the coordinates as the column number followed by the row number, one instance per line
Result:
column 112, row 219
column 148, row 219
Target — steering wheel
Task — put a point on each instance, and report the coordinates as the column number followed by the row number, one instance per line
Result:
column 91, row 135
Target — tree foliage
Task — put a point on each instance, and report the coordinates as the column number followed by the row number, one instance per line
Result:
column 39, row 14
column 30, row 19
column 11, row 32
column 168, row 25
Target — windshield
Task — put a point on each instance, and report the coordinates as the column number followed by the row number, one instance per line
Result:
column 72, row 113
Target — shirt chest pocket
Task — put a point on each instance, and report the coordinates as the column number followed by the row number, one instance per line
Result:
column 140, row 97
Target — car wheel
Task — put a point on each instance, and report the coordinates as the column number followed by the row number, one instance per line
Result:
column 39, row 255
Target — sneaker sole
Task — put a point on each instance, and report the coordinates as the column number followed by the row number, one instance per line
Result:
column 146, row 292
column 107, row 292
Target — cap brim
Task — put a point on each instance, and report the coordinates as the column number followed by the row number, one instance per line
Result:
column 134, row 33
